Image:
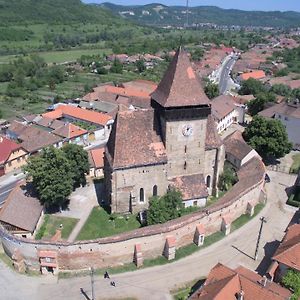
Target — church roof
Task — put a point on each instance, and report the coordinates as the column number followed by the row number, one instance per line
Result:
column 191, row 186
column 180, row 85
column 134, row 140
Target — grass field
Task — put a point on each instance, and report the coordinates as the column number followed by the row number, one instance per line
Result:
column 100, row 224
column 296, row 164
column 52, row 223
column 60, row 56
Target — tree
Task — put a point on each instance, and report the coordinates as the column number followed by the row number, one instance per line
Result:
column 78, row 160
column 258, row 104
column 281, row 89
column 292, row 281
column 197, row 54
column 268, row 137
column 228, row 178
column 165, row 208
column 211, row 90
column 51, row 177
column 140, row 64
column 251, row 87
column 117, row 67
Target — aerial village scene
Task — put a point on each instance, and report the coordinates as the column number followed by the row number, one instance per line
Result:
column 149, row 151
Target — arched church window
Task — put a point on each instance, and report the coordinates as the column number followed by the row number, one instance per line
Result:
column 208, row 179
column 142, row 195
column 154, row 190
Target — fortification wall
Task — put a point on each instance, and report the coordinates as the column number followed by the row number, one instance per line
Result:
column 119, row 249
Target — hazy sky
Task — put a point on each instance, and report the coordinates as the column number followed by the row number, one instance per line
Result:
column 238, row 4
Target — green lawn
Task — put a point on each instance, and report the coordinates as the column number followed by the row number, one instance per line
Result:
column 296, row 164
column 100, row 225
column 52, row 223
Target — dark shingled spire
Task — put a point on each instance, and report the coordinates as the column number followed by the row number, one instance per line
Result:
column 180, row 85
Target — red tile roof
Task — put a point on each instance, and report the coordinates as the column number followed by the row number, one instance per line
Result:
column 78, row 113
column 288, row 252
column 69, row 131
column 97, row 156
column 224, row 283
column 259, row 74
column 222, row 106
column 6, row 148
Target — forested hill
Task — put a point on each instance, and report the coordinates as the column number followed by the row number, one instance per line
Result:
column 161, row 15
column 14, row 12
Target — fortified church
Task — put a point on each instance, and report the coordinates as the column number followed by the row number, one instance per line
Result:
column 174, row 143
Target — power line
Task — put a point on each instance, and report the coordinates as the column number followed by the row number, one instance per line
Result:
column 187, row 14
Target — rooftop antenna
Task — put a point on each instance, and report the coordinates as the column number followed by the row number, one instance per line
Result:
column 187, row 14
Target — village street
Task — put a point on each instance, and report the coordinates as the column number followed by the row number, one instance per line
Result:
column 155, row 283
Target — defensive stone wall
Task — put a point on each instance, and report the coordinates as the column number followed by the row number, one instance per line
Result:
column 147, row 242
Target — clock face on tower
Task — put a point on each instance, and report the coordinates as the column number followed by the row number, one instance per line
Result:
column 187, row 130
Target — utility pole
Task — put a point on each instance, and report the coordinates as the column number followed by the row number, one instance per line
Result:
column 262, row 220
column 92, row 282
column 187, row 14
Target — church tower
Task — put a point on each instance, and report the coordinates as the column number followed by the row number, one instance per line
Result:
column 182, row 109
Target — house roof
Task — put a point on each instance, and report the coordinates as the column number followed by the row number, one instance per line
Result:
column 288, row 252
column 180, row 85
column 33, row 138
column 96, row 157
column 6, row 148
column 212, row 140
column 283, row 108
column 21, row 210
column 236, row 146
column 134, row 140
column 99, row 105
column 222, row 106
column 258, row 74
column 191, row 186
column 225, row 283
column 69, row 131
column 78, row 113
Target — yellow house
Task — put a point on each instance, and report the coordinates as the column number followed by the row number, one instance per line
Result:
column 12, row 155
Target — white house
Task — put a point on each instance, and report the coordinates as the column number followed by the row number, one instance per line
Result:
column 289, row 115
column 225, row 112
column 238, row 152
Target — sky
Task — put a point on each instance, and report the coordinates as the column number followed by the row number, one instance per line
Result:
column 282, row 5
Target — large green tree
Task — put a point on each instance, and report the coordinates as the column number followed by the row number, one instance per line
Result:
column 258, row 104
column 268, row 137
column 211, row 90
column 78, row 160
column 51, row 177
column 165, row 208
column 228, row 178
column 292, row 281
column 251, row 87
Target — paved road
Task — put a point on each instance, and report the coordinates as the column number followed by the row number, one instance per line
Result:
column 155, row 283
column 225, row 75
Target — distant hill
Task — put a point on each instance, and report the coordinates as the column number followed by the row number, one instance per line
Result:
column 52, row 11
column 161, row 15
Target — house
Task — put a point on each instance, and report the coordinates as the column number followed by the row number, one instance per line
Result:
column 32, row 138
column 12, row 155
column 225, row 112
column 258, row 74
column 224, row 283
column 99, row 123
column 21, row 214
column 238, row 152
column 287, row 256
column 289, row 115
column 96, row 160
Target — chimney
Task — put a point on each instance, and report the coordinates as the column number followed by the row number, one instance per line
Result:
column 264, row 281
column 241, row 295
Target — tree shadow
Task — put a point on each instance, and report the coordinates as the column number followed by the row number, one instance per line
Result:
column 270, row 249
